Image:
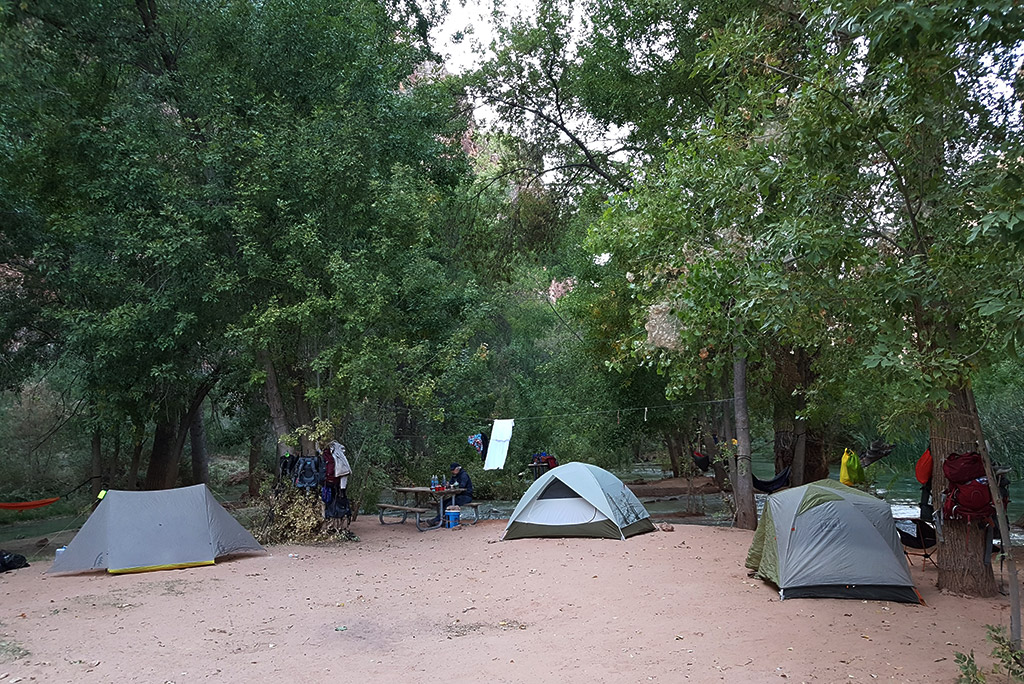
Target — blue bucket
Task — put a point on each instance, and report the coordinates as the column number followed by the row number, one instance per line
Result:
column 451, row 519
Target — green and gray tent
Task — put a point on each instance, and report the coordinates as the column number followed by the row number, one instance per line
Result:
column 827, row 540
column 578, row 500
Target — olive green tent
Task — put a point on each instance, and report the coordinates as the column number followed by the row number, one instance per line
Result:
column 827, row 540
column 578, row 500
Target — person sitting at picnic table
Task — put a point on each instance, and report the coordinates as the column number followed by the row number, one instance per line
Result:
column 459, row 479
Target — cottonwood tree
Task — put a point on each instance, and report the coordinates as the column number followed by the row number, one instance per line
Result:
column 881, row 175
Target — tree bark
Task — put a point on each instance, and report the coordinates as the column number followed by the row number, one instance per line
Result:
column 710, row 449
column 799, row 466
column 169, row 440
column 161, row 468
column 727, row 433
column 133, row 468
column 672, row 441
column 746, row 509
column 97, row 464
column 962, row 549
column 304, row 417
column 278, row 417
column 200, row 453
column 113, row 464
column 793, row 376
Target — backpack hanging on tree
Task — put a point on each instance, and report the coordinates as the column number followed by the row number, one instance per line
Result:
column 961, row 468
column 967, row 497
column 970, row 501
column 309, row 472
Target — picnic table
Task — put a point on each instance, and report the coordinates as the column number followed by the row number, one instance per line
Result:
column 438, row 497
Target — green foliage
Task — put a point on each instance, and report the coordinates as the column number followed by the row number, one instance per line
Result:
column 1009, row 658
column 1009, row 661
column 288, row 515
column 969, row 672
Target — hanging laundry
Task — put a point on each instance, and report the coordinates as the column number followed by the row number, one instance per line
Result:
column 477, row 442
column 341, row 465
column 497, row 449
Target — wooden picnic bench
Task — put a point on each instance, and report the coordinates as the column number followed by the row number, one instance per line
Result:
column 475, row 505
column 405, row 511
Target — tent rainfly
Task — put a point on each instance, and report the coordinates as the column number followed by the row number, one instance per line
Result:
column 827, row 540
column 578, row 500
column 155, row 530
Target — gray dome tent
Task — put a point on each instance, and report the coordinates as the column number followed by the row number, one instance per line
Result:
column 827, row 540
column 578, row 500
column 155, row 530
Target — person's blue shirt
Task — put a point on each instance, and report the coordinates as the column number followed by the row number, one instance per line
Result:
column 462, row 481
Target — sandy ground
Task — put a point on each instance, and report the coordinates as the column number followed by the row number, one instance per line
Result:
column 460, row 606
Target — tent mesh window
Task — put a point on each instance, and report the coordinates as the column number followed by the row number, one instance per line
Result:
column 558, row 490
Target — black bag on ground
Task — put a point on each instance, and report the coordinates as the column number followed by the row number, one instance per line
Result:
column 11, row 561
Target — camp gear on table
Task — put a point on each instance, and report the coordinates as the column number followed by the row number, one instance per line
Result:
column 578, row 500
column 827, row 540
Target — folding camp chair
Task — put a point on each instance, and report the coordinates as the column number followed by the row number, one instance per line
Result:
column 921, row 542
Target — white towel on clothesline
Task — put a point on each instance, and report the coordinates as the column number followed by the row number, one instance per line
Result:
column 497, row 449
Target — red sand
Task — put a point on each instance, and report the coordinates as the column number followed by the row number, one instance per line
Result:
column 459, row 606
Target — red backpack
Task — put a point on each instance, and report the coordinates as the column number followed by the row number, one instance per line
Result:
column 961, row 468
column 970, row 501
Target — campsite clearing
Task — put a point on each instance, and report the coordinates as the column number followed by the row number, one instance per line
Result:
column 662, row 607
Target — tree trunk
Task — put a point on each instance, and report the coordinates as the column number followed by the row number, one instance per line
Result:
column 162, row 468
column 710, row 449
column 727, row 433
column 278, row 417
column 304, row 417
column 962, row 549
column 796, row 477
column 793, row 375
column 97, row 464
column 674, row 445
column 169, row 440
column 133, row 468
column 113, row 464
column 200, row 453
column 746, row 509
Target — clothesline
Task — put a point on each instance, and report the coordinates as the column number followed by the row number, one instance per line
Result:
column 626, row 410
column 630, row 409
